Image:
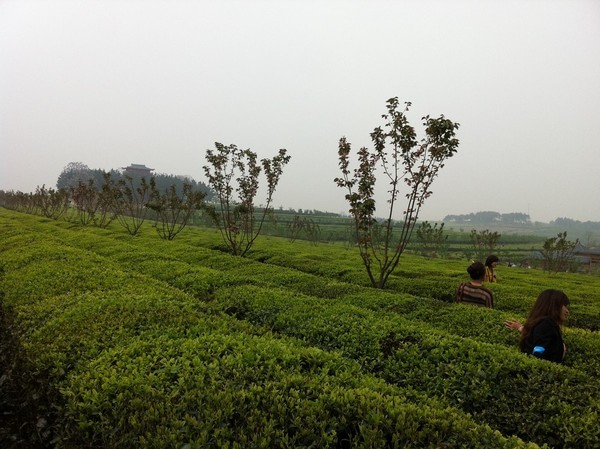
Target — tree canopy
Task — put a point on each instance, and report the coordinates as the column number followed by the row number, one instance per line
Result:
column 78, row 171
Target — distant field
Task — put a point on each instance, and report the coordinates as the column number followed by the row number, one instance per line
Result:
column 517, row 244
column 118, row 341
column 335, row 227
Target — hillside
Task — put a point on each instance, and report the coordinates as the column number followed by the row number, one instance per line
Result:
column 120, row 341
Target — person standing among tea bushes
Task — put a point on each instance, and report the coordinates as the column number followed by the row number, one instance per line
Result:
column 541, row 335
column 474, row 292
column 490, row 268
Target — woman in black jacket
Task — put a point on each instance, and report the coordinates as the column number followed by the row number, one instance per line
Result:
column 541, row 335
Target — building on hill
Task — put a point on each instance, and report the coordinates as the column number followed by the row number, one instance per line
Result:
column 587, row 257
column 138, row 170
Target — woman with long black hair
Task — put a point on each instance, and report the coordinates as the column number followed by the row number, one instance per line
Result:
column 541, row 335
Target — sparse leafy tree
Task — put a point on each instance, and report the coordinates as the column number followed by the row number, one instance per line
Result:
column 174, row 212
column 557, row 252
column 104, row 215
column 294, row 228
column 232, row 170
column 50, row 202
column 86, row 199
column 312, row 230
column 128, row 199
column 433, row 240
column 484, row 242
column 20, row 201
column 404, row 161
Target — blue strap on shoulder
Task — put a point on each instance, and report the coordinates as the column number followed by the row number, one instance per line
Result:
column 538, row 350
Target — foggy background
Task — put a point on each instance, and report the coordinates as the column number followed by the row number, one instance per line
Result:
column 109, row 83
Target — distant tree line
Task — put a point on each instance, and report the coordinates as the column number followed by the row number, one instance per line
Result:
column 489, row 217
column 292, row 211
column 76, row 172
column 568, row 222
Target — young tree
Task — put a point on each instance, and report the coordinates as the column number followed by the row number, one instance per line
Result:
column 236, row 216
column 484, row 243
column 104, row 214
column 23, row 202
column 404, row 161
column 433, row 240
column 557, row 252
column 174, row 212
column 294, row 228
column 128, row 199
column 86, row 199
column 312, row 230
column 50, row 202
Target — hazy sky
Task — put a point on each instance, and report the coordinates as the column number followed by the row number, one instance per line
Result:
column 114, row 82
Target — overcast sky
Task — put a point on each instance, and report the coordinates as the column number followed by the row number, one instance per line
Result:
column 114, row 82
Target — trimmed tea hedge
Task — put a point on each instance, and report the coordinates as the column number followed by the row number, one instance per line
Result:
column 477, row 323
column 498, row 385
column 81, row 300
column 108, row 358
column 235, row 390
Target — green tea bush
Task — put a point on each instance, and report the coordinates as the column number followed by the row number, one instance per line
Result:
column 172, row 263
column 442, row 289
column 322, row 263
column 80, row 300
column 235, row 270
column 217, row 390
column 478, row 323
column 53, row 270
column 484, row 325
column 136, row 363
column 438, row 278
column 62, row 307
column 46, row 281
column 498, row 385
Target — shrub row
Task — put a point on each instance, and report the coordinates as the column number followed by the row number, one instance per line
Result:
column 436, row 278
column 536, row 400
column 169, row 261
column 234, row 390
column 115, row 359
column 244, row 274
column 187, row 268
column 200, row 271
column 477, row 323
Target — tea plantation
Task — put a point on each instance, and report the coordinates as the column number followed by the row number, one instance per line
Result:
column 113, row 341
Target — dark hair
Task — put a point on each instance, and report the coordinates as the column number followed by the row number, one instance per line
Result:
column 476, row 270
column 491, row 259
column 549, row 304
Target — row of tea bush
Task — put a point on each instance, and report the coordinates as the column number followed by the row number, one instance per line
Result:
column 106, row 357
column 200, row 271
column 211, row 276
